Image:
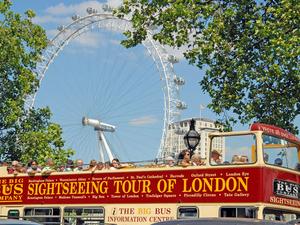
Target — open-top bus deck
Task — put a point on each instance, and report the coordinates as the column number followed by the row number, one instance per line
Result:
column 258, row 187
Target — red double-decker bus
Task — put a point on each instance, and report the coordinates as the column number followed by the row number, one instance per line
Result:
column 257, row 176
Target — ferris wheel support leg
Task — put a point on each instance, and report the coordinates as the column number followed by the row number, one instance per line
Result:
column 105, row 145
column 101, row 148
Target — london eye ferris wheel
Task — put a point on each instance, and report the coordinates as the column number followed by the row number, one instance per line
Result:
column 135, row 90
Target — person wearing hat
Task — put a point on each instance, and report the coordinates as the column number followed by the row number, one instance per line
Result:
column 196, row 160
column 215, row 157
column 278, row 162
column 170, row 162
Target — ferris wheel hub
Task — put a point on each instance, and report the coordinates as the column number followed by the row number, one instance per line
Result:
column 98, row 125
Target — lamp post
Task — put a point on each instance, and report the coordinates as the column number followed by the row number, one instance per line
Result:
column 192, row 137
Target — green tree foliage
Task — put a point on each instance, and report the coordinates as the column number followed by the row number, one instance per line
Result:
column 24, row 133
column 250, row 49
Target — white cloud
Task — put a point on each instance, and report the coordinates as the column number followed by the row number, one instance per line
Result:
column 82, row 51
column 50, row 19
column 89, row 39
column 143, row 121
column 62, row 9
column 61, row 13
column 51, row 33
column 85, row 40
column 80, row 9
column 115, row 3
column 59, row 9
column 114, row 41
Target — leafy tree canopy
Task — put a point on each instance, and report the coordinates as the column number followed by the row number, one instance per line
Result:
column 24, row 133
column 250, row 48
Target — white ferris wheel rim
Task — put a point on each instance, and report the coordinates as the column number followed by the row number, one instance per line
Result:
column 163, row 61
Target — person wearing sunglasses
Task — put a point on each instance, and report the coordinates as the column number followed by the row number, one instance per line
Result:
column 186, row 158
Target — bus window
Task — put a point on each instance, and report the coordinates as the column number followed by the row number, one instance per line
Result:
column 46, row 216
column 240, row 212
column 280, row 215
column 280, row 152
column 228, row 150
column 13, row 214
column 187, row 212
column 79, row 215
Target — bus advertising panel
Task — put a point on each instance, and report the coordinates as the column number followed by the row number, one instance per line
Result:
column 163, row 186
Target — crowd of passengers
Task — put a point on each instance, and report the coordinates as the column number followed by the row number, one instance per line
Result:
column 33, row 167
column 184, row 159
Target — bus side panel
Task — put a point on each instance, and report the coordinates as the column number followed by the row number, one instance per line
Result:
column 281, row 187
column 203, row 185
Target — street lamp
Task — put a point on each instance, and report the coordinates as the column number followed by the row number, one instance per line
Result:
column 192, row 137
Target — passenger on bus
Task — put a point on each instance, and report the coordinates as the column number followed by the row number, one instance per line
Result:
column 115, row 164
column 170, row 162
column 92, row 166
column 20, row 168
column 60, row 168
column 278, row 162
column 17, row 168
column 12, row 169
column 33, row 168
column 196, row 160
column 69, row 166
column 100, row 166
column 186, row 161
column 266, row 157
column 8, row 167
column 215, row 157
column 179, row 158
column 235, row 159
column 78, row 165
column 106, row 165
column 244, row 159
column 49, row 168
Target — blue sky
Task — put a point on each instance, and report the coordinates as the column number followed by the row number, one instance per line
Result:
column 92, row 77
